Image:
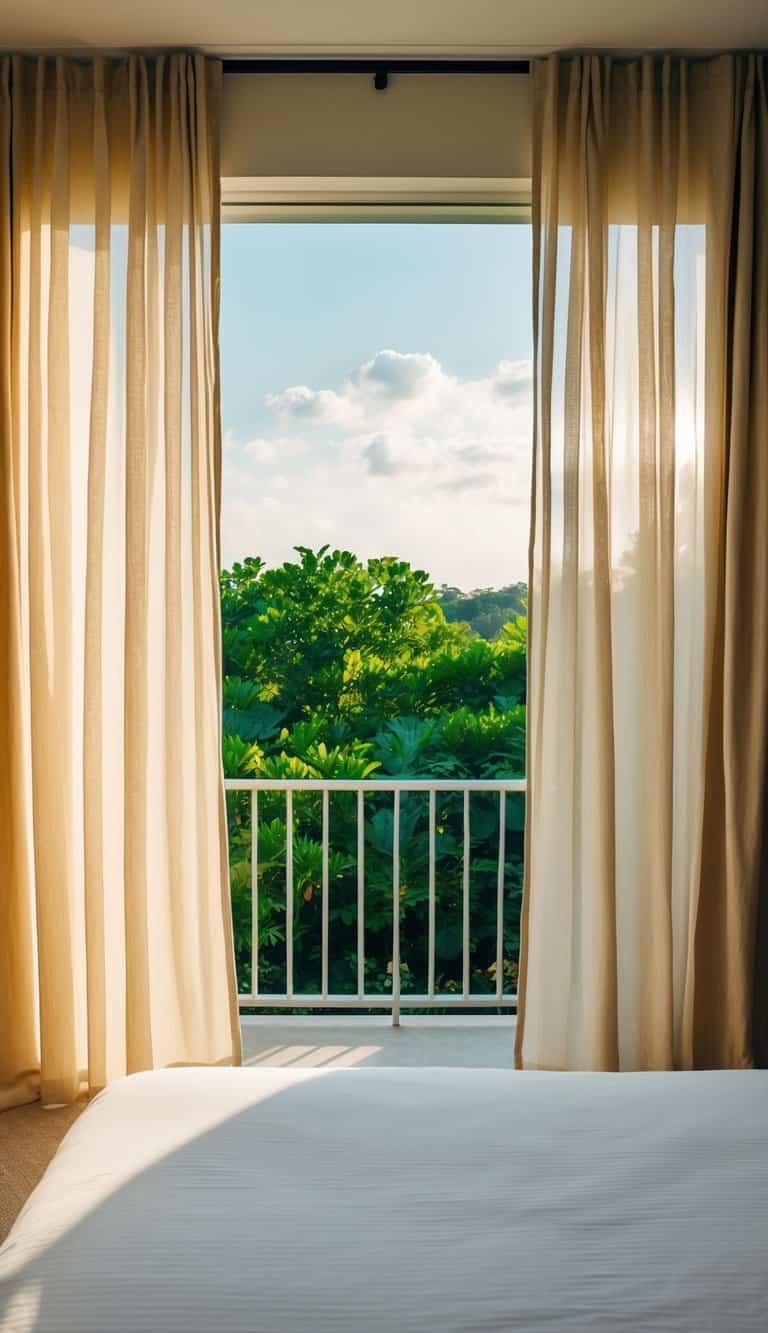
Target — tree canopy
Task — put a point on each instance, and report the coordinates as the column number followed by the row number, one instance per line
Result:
column 485, row 610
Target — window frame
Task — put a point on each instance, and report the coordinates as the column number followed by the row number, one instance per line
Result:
column 375, row 199
column 360, row 200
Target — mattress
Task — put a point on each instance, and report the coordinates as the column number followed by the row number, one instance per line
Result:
column 236, row 1201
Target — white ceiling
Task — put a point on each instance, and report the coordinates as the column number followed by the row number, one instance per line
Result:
column 406, row 27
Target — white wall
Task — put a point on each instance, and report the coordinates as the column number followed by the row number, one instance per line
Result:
column 338, row 125
column 409, row 27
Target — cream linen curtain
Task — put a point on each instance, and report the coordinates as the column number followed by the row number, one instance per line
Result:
column 115, row 935
column 648, row 647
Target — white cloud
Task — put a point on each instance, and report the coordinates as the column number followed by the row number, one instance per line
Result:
column 381, row 458
column 395, row 455
column 305, row 404
column 513, row 379
column 388, row 380
column 398, row 375
column 477, row 455
column 401, row 458
column 470, row 481
column 393, row 407
column 260, row 450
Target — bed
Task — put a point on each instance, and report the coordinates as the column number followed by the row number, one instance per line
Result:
column 236, row 1201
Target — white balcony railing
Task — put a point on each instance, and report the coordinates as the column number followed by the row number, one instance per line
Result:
column 396, row 1000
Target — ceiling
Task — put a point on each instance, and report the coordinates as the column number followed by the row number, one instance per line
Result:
column 404, row 27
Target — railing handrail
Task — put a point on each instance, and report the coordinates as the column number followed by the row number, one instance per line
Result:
column 376, row 784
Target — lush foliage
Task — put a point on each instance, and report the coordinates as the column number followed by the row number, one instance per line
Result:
column 485, row 610
column 338, row 669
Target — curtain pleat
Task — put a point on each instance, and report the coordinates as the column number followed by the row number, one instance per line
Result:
column 19, row 1026
column 115, row 926
column 648, row 652
column 733, row 881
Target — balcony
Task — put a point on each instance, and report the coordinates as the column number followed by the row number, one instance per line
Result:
column 420, row 915
column 332, row 1041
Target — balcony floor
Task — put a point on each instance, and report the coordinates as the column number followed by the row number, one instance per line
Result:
column 462, row 1041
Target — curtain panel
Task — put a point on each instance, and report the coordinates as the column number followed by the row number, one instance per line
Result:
column 115, row 932
column 648, row 652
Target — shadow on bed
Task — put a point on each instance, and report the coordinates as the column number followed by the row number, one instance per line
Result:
column 419, row 1199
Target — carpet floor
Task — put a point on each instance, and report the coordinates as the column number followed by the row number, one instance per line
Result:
column 29, row 1136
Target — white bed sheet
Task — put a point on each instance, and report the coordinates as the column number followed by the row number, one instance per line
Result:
column 236, row 1201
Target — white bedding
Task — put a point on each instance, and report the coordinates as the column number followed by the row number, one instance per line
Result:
column 236, row 1201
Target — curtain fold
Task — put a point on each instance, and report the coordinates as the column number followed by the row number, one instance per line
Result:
column 648, row 643
column 115, row 924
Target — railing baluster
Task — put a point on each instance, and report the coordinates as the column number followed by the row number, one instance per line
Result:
column 396, row 909
column 289, row 893
column 431, row 926
column 254, row 893
column 465, row 902
column 325, row 897
column 361, row 893
column 500, row 896
column 462, row 999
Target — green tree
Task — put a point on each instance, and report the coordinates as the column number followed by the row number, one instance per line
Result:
column 338, row 668
column 485, row 610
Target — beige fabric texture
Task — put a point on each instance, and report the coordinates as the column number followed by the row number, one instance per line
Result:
column 648, row 630
column 115, row 932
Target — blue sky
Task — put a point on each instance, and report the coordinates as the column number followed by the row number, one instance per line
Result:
column 376, row 393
